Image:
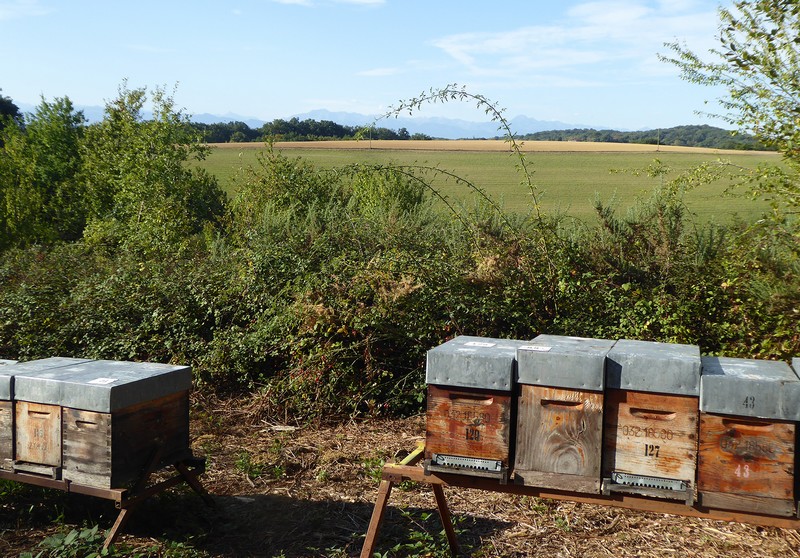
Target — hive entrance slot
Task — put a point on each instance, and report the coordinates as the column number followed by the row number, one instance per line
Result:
column 653, row 414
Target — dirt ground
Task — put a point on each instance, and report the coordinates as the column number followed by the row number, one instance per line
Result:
column 288, row 490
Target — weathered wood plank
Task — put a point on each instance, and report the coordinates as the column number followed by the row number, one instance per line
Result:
column 87, row 447
column 746, row 456
column 650, row 434
column 752, row 504
column 558, row 481
column 559, row 431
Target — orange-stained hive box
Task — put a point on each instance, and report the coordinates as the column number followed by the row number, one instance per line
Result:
column 469, row 407
column 747, row 436
column 99, row 423
column 559, row 434
column 6, row 417
column 651, row 413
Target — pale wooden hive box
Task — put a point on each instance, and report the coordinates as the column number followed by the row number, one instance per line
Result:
column 747, row 436
column 559, row 436
column 650, row 429
column 100, row 423
column 469, row 407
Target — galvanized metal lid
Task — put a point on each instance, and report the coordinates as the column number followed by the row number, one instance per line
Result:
column 473, row 362
column 790, row 404
column 654, row 367
column 101, row 385
column 10, row 368
column 6, row 380
column 564, row 362
column 747, row 387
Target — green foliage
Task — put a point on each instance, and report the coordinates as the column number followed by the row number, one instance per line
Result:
column 41, row 199
column 76, row 543
column 246, row 464
column 373, row 468
column 88, row 542
column 139, row 177
column 8, row 109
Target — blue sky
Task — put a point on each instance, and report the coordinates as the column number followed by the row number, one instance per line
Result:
column 581, row 62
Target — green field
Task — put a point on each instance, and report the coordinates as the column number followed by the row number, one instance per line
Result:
column 568, row 181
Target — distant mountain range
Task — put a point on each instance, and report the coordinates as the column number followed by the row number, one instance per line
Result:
column 437, row 127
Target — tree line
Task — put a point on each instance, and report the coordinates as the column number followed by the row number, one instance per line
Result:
column 688, row 136
column 295, row 129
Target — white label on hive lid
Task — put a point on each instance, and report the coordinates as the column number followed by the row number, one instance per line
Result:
column 102, row 381
column 479, row 344
column 538, row 348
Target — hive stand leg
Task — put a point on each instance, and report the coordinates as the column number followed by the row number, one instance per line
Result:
column 122, row 519
column 444, row 514
column 384, row 490
column 126, row 510
column 192, row 480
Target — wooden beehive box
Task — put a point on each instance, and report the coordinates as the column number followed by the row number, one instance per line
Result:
column 747, row 436
column 559, row 436
column 103, row 421
column 6, row 416
column 651, row 412
column 37, row 423
column 469, row 407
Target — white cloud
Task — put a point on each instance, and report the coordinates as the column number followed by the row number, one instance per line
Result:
column 593, row 36
column 20, row 9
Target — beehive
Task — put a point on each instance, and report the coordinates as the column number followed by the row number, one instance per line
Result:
column 747, row 436
column 6, row 417
column 469, row 414
column 651, row 413
column 559, row 435
column 100, row 423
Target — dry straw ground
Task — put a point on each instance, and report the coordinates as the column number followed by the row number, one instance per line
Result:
column 288, row 490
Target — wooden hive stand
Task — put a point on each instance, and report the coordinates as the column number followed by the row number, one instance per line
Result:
column 127, row 499
column 410, row 470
